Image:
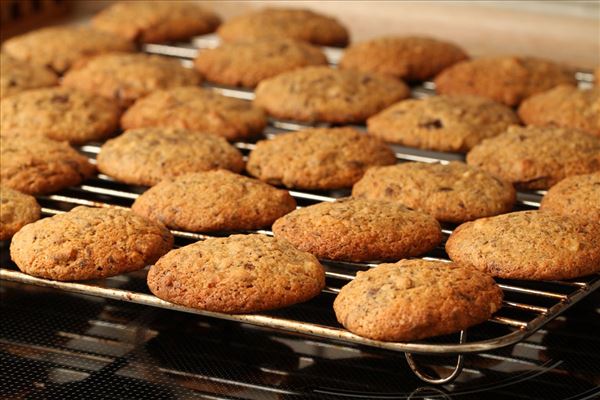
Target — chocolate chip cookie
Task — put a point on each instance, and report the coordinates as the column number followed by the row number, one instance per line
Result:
column 16, row 210
column 17, row 76
column 237, row 274
column 416, row 299
column 577, row 196
column 320, row 158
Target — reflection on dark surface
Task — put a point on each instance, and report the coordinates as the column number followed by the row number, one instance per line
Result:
column 57, row 345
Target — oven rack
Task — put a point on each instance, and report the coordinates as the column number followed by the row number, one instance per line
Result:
column 527, row 306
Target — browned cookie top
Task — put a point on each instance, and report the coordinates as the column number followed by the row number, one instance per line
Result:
column 406, row 57
column 16, row 210
column 508, row 80
column 454, row 192
column 533, row 245
column 300, row 24
column 127, row 77
column 214, row 201
column 156, row 21
column 564, row 106
column 577, row 196
column 415, row 299
column 320, row 158
column 145, row 156
column 61, row 114
column 17, row 76
column 327, row 94
column 247, row 62
column 237, row 274
column 89, row 243
column 442, row 123
column 359, row 230
column 537, row 158
column 38, row 165
column 60, row 47
column 197, row 109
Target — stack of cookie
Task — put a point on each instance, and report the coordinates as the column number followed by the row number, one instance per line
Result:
column 176, row 140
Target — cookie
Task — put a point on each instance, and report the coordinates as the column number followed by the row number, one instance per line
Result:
column 508, row 80
column 214, row 201
column 414, row 58
column 442, row 123
column 292, row 23
column 127, row 77
column 89, row 243
column 537, row 157
column 319, row 158
column 247, row 62
column 197, row 109
column 60, row 47
column 416, row 299
column 60, row 114
column 145, row 156
column 453, row 192
column 576, row 196
column 597, row 76
column 37, row 165
column 533, row 245
column 16, row 210
column 564, row 106
column 329, row 95
column 237, row 274
column 18, row 76
column 156, row 21
column 359, row 230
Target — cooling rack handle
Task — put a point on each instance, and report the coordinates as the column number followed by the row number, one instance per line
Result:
column 460, row 362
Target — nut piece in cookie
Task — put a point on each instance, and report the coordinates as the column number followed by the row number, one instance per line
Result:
column 89, row 243
column 16, row 210
column 416, row 299
column 359, row 230
column 453, row 192
column 508, row 80
column 37, row 165
column 537, row 157
column 329, row 95
column 319, row 158
column 576, row 196
column 413, row 58
column 237, row 274
column 214, row 201
column 533, row 245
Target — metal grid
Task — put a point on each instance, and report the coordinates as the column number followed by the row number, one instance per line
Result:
column 527, row 305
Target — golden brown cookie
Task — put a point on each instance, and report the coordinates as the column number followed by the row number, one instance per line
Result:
column 329, row 95
column 508, row 80
column 247, row 62
column 237, row 274
column 442, row 123
column 564, row 106
column 299, row 24
column 37, row 165
column 60, row 47
column 60, row 114
column 156, row 21
column 359, row 230
column 414, row 58
column 89, row 243
column 452, row 192
column 416, row 299
column 537, row 157
column 16, row 210
column 320, row 158
column 197, row 109
column 532, row 245
column 214, row 201
column 127, row 77
column 145, row 156
column 17, row 76
column 576, row 196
